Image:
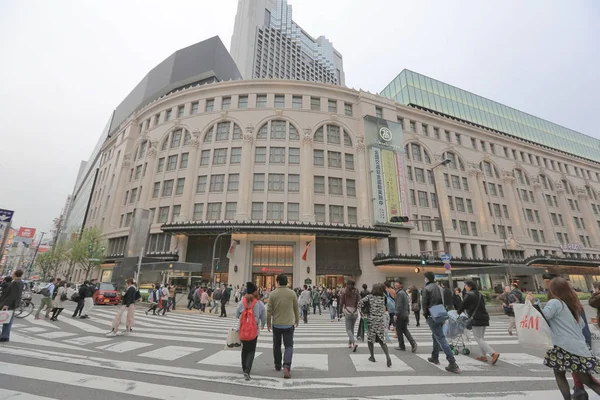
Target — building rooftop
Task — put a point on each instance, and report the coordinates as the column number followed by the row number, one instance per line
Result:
column 417, row 90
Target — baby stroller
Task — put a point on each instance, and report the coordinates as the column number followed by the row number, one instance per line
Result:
column 457, row 334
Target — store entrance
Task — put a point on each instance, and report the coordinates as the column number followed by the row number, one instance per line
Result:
column 268, row 281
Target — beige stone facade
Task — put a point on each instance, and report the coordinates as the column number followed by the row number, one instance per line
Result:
column 289, row 152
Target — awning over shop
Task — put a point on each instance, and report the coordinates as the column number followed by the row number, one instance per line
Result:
column 172, row 266
column 513, row 269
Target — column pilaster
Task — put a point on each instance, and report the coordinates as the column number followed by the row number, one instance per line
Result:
column 586, row 209
column 364, row 216
column 245, row 185
column 566, row 212
column 147, row 181
column 485, row 224
column 307, row 213
column 121, row 183
column 509, row 182
column 550, row 235
column 190, row 175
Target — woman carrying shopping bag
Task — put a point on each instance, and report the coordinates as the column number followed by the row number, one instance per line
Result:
column 253, row 317
column 570, row 352
column 375, row 303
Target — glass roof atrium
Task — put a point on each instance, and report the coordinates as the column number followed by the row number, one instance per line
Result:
column 418, row 90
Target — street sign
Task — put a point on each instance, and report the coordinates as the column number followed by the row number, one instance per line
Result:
column 447, row 266
column 308, row 281
column 6, row 215
column 446, row 258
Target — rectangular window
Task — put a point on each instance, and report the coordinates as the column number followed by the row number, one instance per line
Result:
column 243, row 102
column 497, row 210
column 275, row 211
column 261, row 101
column 276, row 182
column 458, row 138
column 349, row 161
column 172, row 163
column 294, row 155
column 436, row 133
column 469, row 206
column 352, row 216
column 451, row 203
column 180, row 110
column 156, row 190
column 210, row 105
column 465, row 183
column 423, row 199
column 260, row 155
column 447, row 180
column 433, row 200
column 505, row 210
column 348, row 109
column 332, row 106
column 464, row 227
column 233, row 182
column 163, row 214
column 319, row 184
column 318, row 157
column 424, row 130
column 474, row 228
column 378, row 112
column 409, row 173
column 138, row 172
column 336, row 214
column 230, row 210
column 236, row 155
column 133, row 195
column 455, row 182
column 205, row 157
column 220, row 157
column 460, row 204
column 413, row 201
column 448, row 138
column 277, row 155
column 293, row 183
column 213, row 212
column 315, row 103
column 257, row 211
column 335, row 186
column 216, row 183
column 180, row 186
column 319, row 213
column 413, row 126
column 420, row 175
column 334, row 159
column 201, row 185
column 492, row 189
column 297, row 102
column 535, row 236
column 168, row 115
column 176, row 212
column 279, row 101
column 430, row 177
column 474, row 143
column 198, row 211
column 293, row 212
column 258, row 184
column 161, row 165
column 168, row 187
column 500, row 190
column 529, row 214
column 195, row 108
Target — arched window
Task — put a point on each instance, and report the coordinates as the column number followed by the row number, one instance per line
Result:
column 333, row 134
column 452, row 157
column 209, row 136
column 278, row 129
column 347, row 140
column 164, row 144
column 319, row 135
column 416, row 152
column 176, row 139
column 522, row 177
column 142, row 150
column 406, row 152
column 223, row 131
column 187, row 139
column 426, row 157
column 546, row 183
column 591, row 193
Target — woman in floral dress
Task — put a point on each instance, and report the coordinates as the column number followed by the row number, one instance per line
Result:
column 374, row 305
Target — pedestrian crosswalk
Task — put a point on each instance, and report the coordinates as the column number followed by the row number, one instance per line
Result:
column 192, row 347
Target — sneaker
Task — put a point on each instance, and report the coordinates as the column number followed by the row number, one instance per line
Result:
column 510, row 332
column 36, row 317
column 401, row 348
column 4, row 339
column 246, row 376
column 579, row 393
column 277, row 368
column 453, row 368
column 434, row 360
column 389, row 362
column 286, row 373
column 354, row 349
column 372, row 359
column 111, row 334
column 495, row 357
column 413, row 347
column 482, row 359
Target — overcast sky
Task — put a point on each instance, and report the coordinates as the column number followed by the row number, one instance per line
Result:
column 65, row 65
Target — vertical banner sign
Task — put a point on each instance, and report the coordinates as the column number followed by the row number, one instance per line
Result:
column 377, row 182
column 28, row 233
column 388, row 178
column 392, row 188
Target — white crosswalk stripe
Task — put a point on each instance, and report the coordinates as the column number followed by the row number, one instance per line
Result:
column 191, row 346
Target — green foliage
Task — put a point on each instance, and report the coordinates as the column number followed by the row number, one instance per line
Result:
column 48, row 263
column 88, row 251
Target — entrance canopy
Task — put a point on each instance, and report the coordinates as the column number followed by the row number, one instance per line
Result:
column 172, row 266
column 514, row 269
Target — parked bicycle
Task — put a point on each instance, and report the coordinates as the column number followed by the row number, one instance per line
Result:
column 25, row 307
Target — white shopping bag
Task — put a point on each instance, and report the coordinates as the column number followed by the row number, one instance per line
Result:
column 5, row 316
column 532, row 328
column 595, row 331
column 233, row 339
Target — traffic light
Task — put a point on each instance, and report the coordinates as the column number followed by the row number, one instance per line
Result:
column 398, row 219
column 423, row 260
column 217, row 266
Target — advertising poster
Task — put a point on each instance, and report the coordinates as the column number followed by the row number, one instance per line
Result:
column 27, row 233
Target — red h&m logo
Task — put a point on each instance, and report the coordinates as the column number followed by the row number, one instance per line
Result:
column 530, row 322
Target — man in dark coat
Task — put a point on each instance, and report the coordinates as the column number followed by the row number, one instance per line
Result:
column 9, row 301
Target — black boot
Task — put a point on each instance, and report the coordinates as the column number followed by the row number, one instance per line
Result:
column 371, row 350
column 387, row 353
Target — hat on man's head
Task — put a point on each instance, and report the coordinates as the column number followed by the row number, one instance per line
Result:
column 430, row 276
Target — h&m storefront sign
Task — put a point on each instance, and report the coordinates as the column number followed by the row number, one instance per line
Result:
column 384, row 139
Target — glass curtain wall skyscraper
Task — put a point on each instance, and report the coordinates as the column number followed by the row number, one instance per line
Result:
column 267, row 43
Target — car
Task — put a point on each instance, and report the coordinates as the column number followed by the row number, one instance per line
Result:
column 106, row 293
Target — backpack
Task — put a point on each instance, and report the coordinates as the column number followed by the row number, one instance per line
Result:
column 75, row 297
column 64, row 297
column 45, row 292
column 390, row 303
column 217, row 295
column 151, row 297
column 138, row 295
column 248, row 325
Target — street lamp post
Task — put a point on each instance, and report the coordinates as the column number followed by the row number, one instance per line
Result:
column 444, row 242
column 34, row 255
column 212, row 266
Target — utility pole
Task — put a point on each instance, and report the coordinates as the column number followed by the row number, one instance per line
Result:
column 4, row 239
column 34, row 255
column 139, row 266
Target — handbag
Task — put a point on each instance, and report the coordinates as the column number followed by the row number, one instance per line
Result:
column 439, row 312
column 469, row 321
column 233, row 339
column 5, row 316
column 415, row 307
column 532, row 328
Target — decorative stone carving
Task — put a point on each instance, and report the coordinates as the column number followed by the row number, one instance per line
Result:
column 250, row 128
column 560, row 189
column 152, row 152
column 360, row 145
column 581, row 192
column 307, row 139
column 507, row 176
column 537, row 184
column 126, row 160
column 474, row 171
column 487, row 157
column 195, row 142
column 223, row 114
column 279, row 112
column 248, row 138
column 333, row 117
column 176, row 122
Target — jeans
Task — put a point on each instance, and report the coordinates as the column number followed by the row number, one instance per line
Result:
column 223, row 311
column 79, row 307
column 511, row 323
column 350, row 320
column 315, row 305
column 215, row 306
column 332, row 312
column 304, row 311
column 191, row 304
column 402, row 330
column 418, row 317
column 248, row 350
column 46, row 302
column 172, row 303
column 439, row 340
column 391, row 320
column 6, row 328
column 288, row 342
column 478, row 334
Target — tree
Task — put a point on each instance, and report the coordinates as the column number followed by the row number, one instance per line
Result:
column 49, row 262
column 88, row 251
column 44, row 263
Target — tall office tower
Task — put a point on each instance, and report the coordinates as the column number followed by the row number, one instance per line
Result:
column 267, row 43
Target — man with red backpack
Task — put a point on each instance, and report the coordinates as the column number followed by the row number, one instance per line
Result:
column 252, row 314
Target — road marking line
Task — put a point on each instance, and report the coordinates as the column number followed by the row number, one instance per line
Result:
column 122, row 347
column 170, row 353
column 14, row 395
column 362, row 364
column 85, row 340
column 37, row 342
